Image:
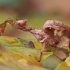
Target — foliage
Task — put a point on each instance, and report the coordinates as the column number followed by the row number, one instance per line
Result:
column 13, row 56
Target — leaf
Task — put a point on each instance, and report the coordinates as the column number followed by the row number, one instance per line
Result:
column 29, row 59
column 68, row 61
column 38, row 45
column 14, row 45
column 10, row 41
column 51, row 62
column 62, row 66
column 9, row 61
column 35, row 53
column 18, row 65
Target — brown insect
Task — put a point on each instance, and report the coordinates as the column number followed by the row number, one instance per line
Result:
column 52, row 32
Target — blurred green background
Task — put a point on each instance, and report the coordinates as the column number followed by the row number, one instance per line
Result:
column 36, row 11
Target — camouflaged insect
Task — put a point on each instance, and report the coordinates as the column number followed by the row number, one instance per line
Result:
column 54, row 33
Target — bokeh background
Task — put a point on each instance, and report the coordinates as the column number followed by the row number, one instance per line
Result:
column 36, row 11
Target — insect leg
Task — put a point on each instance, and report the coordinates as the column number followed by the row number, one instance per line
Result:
column 42, row 50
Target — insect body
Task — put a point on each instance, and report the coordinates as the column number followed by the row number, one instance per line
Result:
column 52, row 32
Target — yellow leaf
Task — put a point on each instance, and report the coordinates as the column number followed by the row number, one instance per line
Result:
column 68, row 61
column 9, row 39
column 46, row 55
column 62, row 66
column 47, row 47
column 31, row 60
column 37, row 45
column 15, row 55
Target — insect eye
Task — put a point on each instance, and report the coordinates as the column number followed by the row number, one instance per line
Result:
column 18, row 23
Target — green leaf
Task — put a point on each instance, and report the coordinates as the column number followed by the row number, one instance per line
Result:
column 51, row 62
